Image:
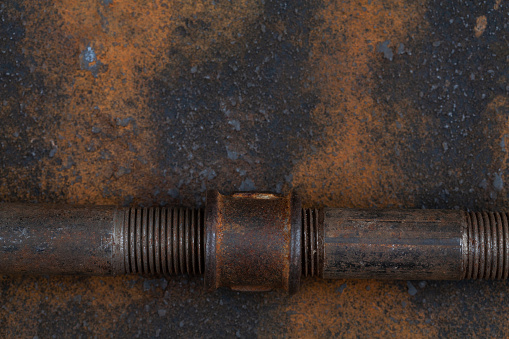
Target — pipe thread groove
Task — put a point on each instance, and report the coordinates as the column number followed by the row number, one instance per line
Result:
column 487, row 247
column 163, row 241
column 310, row 243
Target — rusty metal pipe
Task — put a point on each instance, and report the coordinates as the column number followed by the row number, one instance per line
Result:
column 100, row 240
column 254, row 242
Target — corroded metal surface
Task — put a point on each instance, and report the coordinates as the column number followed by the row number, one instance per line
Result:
column 354, row 103
column 162, row 241
column 47, row 239
column 255, row 242
column 394, row 244
column 486, row 246
column 312, row 242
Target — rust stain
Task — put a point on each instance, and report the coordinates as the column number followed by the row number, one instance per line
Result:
column 106, row 296
column 352, row 162
column 359, row 308
column 98, row 58
column 480, row 25
column 346, row 308
column 95, row 59
column 498, row 110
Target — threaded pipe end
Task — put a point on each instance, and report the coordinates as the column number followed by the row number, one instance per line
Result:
column 163, row 241
column 311, row 243
column 487, row 246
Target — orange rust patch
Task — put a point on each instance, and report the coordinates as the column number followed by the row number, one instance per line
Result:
column 498, row 108
column 98, row 58
column 480, row 25
column 353, row 163
column 105, row 295
column 325, row 309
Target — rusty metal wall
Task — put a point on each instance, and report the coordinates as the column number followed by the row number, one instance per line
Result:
column 392, row 103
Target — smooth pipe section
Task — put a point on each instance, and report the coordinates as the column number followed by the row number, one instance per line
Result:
column 394, row 244
column 47, row 239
